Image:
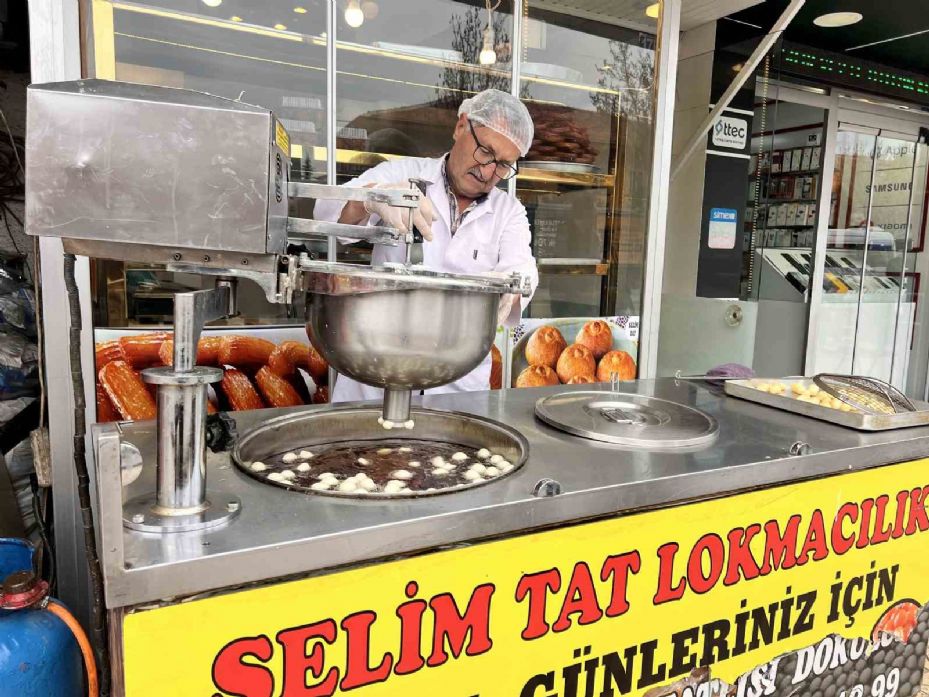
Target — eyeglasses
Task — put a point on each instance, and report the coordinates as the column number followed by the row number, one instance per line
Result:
column 485, row 156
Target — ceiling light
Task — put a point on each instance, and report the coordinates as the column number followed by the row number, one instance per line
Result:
column 653, row 10
column 488, row 55
column 212, row 3
column 354, row 17
column 838, row 19
column 280, row 27
column 300, row 10
column 235, row 18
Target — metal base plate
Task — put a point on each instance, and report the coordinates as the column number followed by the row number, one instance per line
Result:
column 140, row 514
column 627, row 419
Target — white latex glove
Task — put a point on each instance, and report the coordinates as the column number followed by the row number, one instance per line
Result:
column 506, row 306
column 394, row 217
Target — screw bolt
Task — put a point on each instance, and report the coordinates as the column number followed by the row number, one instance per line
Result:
column 177, row 256
column 138, row 518
column 232, row 506
column 546, row 487
column 206, row 257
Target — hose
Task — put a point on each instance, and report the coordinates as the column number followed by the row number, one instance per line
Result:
column 90, row 663
column 98, row 617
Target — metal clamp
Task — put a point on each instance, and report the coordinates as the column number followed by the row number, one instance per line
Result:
column 303, row 228
column 180, row 500
column 399, row 198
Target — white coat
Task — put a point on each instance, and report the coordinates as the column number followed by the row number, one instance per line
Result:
column 494, row 236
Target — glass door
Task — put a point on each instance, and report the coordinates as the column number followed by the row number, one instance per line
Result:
column 867, row 320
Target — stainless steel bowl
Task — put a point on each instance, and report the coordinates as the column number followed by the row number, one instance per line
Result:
column 318, row 429
column 413, row 338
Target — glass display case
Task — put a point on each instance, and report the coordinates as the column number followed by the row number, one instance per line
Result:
column 586, row 78
column 587, row 83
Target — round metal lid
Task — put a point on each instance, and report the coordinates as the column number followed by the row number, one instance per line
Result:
column 627, row 419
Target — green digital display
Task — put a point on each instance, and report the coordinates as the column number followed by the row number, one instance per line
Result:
column 842, row 70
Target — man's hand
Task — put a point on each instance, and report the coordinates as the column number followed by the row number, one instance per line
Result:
column 394, row 217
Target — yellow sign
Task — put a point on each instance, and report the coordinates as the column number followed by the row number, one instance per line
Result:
column 625, row 606
column 283, row 140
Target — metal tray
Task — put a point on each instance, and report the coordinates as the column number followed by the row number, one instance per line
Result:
column 570, row 167
column 862, row 422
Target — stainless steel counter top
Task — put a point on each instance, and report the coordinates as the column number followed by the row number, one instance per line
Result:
column 281, row 533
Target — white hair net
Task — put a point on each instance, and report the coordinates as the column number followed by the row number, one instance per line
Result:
column 503, row 113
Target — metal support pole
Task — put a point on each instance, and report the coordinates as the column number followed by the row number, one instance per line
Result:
column 821, row 245
column 332, row 14
column 180, row 502
column 741, row 77
column 666, row 81
column 55, row 55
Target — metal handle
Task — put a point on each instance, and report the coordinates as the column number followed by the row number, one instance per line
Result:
column 618, row 416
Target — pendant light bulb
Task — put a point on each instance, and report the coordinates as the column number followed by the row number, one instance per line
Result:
column 488, row 55
column 354, row 16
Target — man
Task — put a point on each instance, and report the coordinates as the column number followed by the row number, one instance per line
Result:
column 468, row 224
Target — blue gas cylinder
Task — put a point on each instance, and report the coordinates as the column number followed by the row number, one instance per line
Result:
column 39, row 657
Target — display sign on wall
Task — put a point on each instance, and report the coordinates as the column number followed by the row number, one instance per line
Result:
column 730, row 132
column 813, row 588
column 724, row 225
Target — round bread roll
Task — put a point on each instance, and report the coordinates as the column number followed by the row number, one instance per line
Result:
column 537, row 376
column 618, row 362
column 576, row 360
column 597, row 336
column 545, row 346
column 581, row 380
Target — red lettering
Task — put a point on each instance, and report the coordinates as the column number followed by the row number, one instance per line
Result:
column 358, row 673
column 232, row 675
column 780, row 549
column 619, row 567
column 411, row 629
column 881, row 533
column 741, row 560
column 453, row 629
column 713, row 545
column 580, row 599
column 297, row 662
column 902, row 498
column 864, row 525
column 815, row 540
column 666, row 592
column 537, row 586
column 918, row 518
column 840, row 542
